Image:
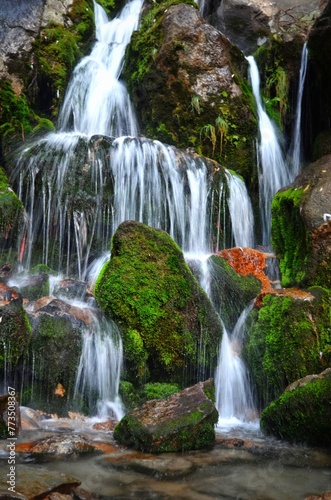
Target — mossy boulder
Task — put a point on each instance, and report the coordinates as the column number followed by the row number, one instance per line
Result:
column 171, row 331
column 301, row 227
column 188, row 85
column 302, row 415
column 182, row 422
column 288, row 338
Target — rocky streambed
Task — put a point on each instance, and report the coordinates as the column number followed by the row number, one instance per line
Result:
column 79, row 458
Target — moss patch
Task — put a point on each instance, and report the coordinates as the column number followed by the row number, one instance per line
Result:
column 286, row 338
column 289, row 237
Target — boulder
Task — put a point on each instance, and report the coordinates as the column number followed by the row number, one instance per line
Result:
column 301, row 415
column 250, row 23
column 171, row 332
column 185, row 78
column 288, row 338
column 182, row 422
column 301, row 227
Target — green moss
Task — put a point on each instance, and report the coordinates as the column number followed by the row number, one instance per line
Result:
column 11, row 209
column 289, row 237
column 286, row 338
column 149, row 290
column 159, row 391
column 302, row 415
column 15, row 115
column 15, row 334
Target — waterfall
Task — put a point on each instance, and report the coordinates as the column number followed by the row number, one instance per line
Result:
column 96, row 172
column 96, row 101
column 273, row 170
column 99, row 369
column 241, row 212
column 234, row 400
column 295, row 149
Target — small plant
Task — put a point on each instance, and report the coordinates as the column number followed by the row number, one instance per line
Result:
column 195, row 104
column 222, row 128
column 209, row 132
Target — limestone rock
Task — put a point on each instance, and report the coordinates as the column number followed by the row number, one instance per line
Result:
column 184, row 421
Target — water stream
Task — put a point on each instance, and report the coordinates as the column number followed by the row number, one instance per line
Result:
column 273, row 170
column 295, row 148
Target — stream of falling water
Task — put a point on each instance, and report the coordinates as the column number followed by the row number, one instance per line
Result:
column 295, row 149
column 272, row 168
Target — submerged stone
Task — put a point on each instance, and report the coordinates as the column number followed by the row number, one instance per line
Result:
column 36, row 482
column 182, row 422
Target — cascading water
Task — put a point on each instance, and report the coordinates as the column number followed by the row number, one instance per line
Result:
column 91, row 182
column 241, row 212
column 234, row 400
column 295, row 149
column 96, row 101
column 99, row 369
column 273, row 170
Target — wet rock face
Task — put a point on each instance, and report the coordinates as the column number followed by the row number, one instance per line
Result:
column 20, row 23
column 203, row 64
column 182, row 422
column 248, row 24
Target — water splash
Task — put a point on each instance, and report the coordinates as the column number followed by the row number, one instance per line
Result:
column 273, row 170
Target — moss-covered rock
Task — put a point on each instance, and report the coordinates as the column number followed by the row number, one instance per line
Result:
column 185, row 80
column 182, row 422
column 289, row 237
column 302, row 415
column 170, row 330
column 301, row 227
column 288, row 338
